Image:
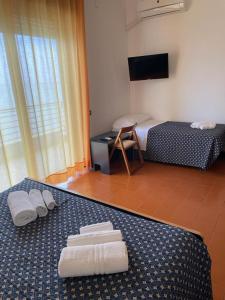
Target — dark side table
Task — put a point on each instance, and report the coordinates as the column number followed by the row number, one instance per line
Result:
column 100, row 150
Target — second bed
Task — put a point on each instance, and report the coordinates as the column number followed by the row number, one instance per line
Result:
column 178, row 143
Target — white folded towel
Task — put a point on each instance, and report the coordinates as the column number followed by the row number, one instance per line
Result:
column 36, row 199
column 195, row 125
column 94, row 238
column 93, row 259
column 48, row 199
column 207, row 125
column 204, row 125
column 97, row 227
column 22, row 210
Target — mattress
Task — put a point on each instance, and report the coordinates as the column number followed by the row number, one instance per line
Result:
column 178, row 143
column 165, row 262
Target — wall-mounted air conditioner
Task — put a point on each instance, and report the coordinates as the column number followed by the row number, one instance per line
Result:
column 151, row 8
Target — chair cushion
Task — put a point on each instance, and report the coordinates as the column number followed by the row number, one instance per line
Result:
column 127, row 144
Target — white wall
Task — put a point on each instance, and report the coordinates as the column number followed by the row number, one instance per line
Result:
column 107, row 62
column 195, row 41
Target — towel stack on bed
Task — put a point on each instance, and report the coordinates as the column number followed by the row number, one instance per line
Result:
column 25, row 207
column 98, row 249
column 203, row 125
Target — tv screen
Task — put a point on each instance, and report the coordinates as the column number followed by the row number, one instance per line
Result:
column 149, row 67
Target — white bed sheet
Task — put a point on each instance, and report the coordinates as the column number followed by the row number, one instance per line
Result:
column 142, row 131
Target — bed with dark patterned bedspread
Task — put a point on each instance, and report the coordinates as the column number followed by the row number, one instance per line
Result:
column 165, row 262
column 178, row 143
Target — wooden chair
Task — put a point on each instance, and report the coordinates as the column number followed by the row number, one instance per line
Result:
column 125, row 144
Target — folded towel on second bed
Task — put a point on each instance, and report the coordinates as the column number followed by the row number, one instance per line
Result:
column 203, row 125
column 94, row 238
column 93, row 259
column 22, row 210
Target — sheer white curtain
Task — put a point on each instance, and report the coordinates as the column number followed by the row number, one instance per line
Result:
column 44, row 122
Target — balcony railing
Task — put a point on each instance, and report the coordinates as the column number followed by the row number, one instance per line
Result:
column 44, row 119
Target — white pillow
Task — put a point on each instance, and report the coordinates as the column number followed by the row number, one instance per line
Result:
column 129, row 120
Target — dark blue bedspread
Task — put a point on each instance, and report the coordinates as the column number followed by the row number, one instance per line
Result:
column 178, row 143
column 164, row 262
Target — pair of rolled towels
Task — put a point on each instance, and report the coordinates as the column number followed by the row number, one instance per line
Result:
column 203, row 125
column 25, row 207
column 98, row 249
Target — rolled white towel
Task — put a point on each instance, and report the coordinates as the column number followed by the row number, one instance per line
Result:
column 93, row 259
column 48, row 199
column 22, row 210
column 36, row 199
column 207, row 125
column 203, row 125
column 97, row 227
column 94, row 238
column 195, row 124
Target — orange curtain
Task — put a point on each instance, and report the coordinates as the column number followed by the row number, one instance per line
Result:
column 79, row 35
column 44, row 108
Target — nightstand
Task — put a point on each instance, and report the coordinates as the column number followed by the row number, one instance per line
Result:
column 100, row 150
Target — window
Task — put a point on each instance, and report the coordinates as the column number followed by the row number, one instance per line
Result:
column 39, row 66
column 38, row 58
column 40, row 77
column 9, row 125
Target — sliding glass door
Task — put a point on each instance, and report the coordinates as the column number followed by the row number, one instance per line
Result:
column 44, row 104
column 39, row 74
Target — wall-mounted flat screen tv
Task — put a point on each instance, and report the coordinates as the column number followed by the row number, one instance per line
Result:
column 149, row 67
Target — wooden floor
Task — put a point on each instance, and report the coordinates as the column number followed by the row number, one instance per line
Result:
column 185, row 196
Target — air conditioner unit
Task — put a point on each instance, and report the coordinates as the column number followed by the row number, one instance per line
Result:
column 151, row 8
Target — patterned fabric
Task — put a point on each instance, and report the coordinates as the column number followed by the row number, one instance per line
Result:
column 178, row 143
column 164, row 262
